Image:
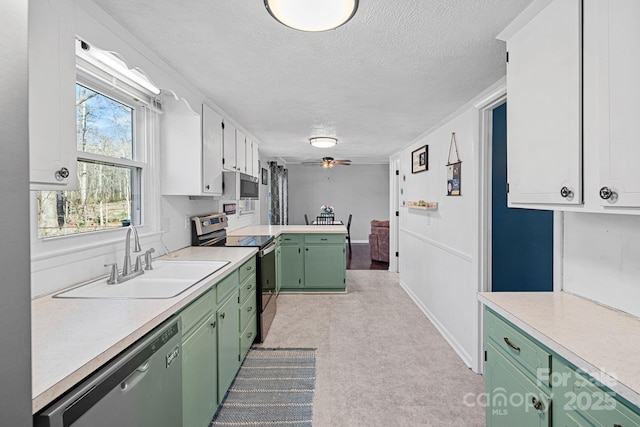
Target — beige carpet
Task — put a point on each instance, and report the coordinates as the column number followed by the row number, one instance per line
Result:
column 380, row 362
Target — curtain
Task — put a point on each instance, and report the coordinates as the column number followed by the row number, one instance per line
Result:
column 279, row 194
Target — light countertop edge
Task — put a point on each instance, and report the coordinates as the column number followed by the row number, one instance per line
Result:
column 514, row 306
column 276, row 230
column 72, row 338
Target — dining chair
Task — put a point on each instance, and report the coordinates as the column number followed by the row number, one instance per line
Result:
column 349, row 231
column 324, row 220
column 306, row 219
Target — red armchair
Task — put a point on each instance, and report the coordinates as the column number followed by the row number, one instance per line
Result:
column 379, row 241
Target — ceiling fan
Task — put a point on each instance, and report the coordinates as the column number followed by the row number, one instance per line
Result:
column 328, row 162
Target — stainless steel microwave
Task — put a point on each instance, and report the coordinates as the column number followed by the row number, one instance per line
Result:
column 240, row 186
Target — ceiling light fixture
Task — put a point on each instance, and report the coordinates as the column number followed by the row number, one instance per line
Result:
column 312, row 15
column 323, row 141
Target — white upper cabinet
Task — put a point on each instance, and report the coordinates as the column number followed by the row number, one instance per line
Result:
column 229, row 150
column 212, row 134
column 616, row 97
column 191, row 149
column 241, row 152
column 52, row 131
column 181, row 142
column 255, row 159
column 544, row 107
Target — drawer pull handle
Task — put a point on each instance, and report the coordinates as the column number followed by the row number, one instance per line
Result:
column 537, row 405
column 250, row 286
column 510, row 344
column 250, row 334
column 249, row 268
column 324, row 239
column 250, row 308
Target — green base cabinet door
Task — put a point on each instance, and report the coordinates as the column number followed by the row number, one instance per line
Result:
column 324, row 266
column 228, row 319
column 291, row 266
column 199, row 375
column 512, row 398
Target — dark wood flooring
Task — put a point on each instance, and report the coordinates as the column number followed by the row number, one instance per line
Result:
column 360, row 258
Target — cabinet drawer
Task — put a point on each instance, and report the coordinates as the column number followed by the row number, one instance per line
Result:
column 290, row 239
column 247, row 310
column 324, row 238
column 247, row 287
column 195, row 312
column 247, row 269
column 247, row 337
column 226, row 286
column 597, row 405
column 513, row 399
column 517, row 347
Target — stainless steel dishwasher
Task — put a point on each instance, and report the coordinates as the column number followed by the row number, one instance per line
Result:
column 142, row 387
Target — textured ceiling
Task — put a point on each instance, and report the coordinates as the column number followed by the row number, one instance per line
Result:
column 378, row 82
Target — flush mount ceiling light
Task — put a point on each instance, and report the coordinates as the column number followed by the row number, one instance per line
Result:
column 323, row 141
column 312, row 15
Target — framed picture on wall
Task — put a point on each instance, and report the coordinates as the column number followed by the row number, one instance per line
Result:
column 265, row 176
column 420, row 159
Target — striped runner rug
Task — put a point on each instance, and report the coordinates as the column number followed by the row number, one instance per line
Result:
column 273, row 388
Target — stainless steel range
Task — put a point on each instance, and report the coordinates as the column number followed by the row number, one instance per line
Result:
column 210, row 230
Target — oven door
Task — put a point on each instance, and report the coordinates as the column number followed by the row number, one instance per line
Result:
column 266, row 289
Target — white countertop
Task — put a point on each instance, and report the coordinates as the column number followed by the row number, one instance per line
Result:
column 71, row 338
column 276, row 230
column 599, row 340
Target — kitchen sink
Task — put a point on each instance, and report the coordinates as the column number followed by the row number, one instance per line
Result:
column 167, row 280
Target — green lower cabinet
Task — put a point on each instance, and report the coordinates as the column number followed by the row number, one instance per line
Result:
column 512, row 398
column 228, row 323
column 291, row 266
column 581, row 400
column 324, row 266
column 199, row 375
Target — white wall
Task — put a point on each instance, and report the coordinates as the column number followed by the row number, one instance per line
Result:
column 15, row 302
column 438, row 250
column 361, row 190
column 602, row 259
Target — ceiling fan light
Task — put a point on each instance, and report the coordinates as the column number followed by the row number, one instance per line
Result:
column 312, row 15
column 323, row 141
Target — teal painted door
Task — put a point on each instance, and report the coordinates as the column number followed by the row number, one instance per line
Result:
column 291, row 266
column 324, row 266
column 511, row 396
column 228, row 319
column 200, row 375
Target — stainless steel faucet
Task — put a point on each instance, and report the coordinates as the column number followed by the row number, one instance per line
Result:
column 126, row 268
column 127, row 272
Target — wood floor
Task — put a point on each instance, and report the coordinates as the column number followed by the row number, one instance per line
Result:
column 360, row 258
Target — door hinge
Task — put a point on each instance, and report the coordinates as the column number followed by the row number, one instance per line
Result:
column 397, row 172
column 344, row 280
column 238, row 300
column 397, row 213
column 299, row 250
column 222, row 125
column 507, row 188
column 507, row 56
column 299, row 281
column 485, row 355
column 397, row 253
column 238, row 358
column 223, row 164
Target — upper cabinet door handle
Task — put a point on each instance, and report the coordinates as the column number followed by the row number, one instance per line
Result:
column 61, row 174
column 566, row 193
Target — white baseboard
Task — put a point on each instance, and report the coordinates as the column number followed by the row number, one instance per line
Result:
column 439, row 326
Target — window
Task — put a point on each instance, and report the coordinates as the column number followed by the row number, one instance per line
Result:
column 109, row 173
